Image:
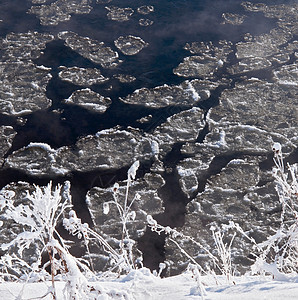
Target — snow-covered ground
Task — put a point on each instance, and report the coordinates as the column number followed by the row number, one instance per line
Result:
column 142, row 285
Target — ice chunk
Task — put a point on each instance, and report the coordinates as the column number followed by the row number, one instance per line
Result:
column 234, row 19
column 196, row 66
column 185, row 94
column 130, row 45
column 7, row 135
column 94, row 50
column 82, row 76
column 109, row 149
column 287, row 75
column 145, row 9
column 60, row 10
column 90, row 100
column 119, row 14
column 267, row 106
column 124, row 78
column 145, row 22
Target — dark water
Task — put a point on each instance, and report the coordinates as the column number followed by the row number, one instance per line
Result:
column 176, row 22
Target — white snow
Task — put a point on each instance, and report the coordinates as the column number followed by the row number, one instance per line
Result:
column 191, row 89
column 142, row 285
column 155, row 148
column 43, row 146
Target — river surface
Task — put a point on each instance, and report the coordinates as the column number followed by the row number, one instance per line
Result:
column 197, row 91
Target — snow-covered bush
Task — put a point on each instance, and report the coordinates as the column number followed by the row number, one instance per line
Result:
column 126, row 214
column 39, row 218
column 220, row 262
column 39, row 215
column 279, row 253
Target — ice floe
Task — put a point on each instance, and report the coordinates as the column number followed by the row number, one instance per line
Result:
column 265, row 105
column 249, row 64
column 287, row 75
column 23, row 87
column 94, row 50
column 82, row 76
column 119, row 14
column 197, row 66
column 90, row 100
column 23, row 83
column 184, row 126
column 218, row 51
column 108, row 149
column 60, row 10
column 7, row 135
column 145, row 9
column 130, row 45
column 234, row 19
column 145, row 22
column 187, row 93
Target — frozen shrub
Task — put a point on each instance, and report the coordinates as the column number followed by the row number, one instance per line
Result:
column 279, row 253
column 126, row 214
column 39, row 218
column 219, row 262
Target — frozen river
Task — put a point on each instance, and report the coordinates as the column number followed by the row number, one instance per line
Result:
column 197, row 91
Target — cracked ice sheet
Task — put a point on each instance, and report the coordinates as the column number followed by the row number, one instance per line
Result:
column 257, row 213
column 285, row 13
column 208, row 59
column 268, row 44
column 230, row 140
column 267, row 106
column 263, row 45
column 184, row 126
column 287, row 75
column 238, row 175
column 23, row 84
column 231, row 195
column 108, row 149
